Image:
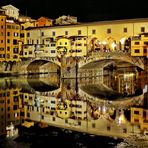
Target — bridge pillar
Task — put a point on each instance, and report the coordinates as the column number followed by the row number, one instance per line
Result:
column 145, row 90
column 68, row 67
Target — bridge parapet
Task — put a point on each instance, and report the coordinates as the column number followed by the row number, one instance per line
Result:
column 119, row 55
column 50, row 59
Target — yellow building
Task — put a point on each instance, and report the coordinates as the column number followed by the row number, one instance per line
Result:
column 139, row 116
column 139, row 45
column 114, row 35
column 63, row 109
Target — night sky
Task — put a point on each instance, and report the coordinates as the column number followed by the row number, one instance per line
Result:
column 84, row 10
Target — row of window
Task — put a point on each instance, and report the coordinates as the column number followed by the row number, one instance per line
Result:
column 138, row 43
column 125, row 30
column 12, row 27
column 138, row 50
column 15, row 34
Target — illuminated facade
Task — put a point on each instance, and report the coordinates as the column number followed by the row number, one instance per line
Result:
column 105, row 36
column 11, row 11
column 43, row 21
column 139, row 45
column 10, row 108
column 2, row 37
column 139, row 116
column 12, row 41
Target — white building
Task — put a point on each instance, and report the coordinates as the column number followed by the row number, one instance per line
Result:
column 11, row 11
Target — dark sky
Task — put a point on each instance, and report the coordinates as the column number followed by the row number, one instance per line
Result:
column 85, row 10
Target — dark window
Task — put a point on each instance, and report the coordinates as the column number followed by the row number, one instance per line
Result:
column 142, row 29
column 8, row 40
column 137, row 50
column 8, row 26
column 93, row 125
column 146, row 35
column 8, row 115
column 28, row 34
column 15, row 50
column 79, row 32
column 8, row 108
column 14, row 42
column 8, row 48
column 108, row 30
column 8, row 33
column 145, row 50
column 52, row 51
column 30, row 52
column 136, row 43
column 124, row 30
column 53, row 33
column 79, row 123
column 28, row 114
column 93, row 31
column 136, row 112
column 15, row 99
column 53, row 118
column 66, row 32
column 146, row 43
column 53, row 102
column 21, row 35
column 42, row 34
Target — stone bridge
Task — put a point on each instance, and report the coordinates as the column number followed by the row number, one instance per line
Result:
column 115, row 55
column 34, row 65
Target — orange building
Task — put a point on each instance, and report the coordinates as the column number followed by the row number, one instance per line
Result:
column 44, row 21
column 12, row 40
column 2, row 36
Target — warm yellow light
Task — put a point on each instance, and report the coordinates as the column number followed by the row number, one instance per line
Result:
column 113, row 45
column 122, row 40
column 104, row 43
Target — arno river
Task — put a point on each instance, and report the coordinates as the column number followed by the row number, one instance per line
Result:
column 84, row 112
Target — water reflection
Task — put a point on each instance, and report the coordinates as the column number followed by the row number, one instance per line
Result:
column 84, row 105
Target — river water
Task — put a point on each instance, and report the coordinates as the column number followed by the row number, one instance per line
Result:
column 86, row 112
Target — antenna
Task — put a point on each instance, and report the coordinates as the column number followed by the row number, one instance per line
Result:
column 26, row 12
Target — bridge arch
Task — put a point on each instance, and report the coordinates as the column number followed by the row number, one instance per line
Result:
column 94, row 43
column 35, row 65
column 105, row 56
